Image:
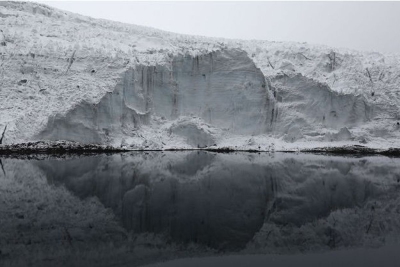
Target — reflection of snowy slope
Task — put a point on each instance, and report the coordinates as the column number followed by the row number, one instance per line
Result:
column 227, row 201
column 42, row 223
column 66, row 76
column 192, row 201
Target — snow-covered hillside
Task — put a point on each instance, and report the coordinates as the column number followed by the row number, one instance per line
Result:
column 65, row 76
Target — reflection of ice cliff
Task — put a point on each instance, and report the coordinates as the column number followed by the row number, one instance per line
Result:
column 229, row 201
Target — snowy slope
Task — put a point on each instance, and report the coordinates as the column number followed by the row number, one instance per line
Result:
column 71, row 77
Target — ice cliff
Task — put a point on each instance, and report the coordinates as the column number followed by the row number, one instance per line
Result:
column 224, row 89
column 64, row 76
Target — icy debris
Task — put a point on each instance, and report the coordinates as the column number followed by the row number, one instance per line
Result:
column 194, row 135
column 354, row 149
column 343, row 135
column 55, row 147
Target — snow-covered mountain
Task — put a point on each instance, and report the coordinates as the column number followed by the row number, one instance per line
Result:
column 69, row 77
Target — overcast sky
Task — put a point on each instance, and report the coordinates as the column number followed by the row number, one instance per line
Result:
column 372, row 26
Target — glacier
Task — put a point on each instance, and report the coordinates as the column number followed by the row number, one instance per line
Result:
column 69, row 77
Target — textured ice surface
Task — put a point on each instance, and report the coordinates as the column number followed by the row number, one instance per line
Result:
column 66, row 76
column 224, row 89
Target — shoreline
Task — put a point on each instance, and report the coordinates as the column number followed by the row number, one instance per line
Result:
column 67, row 147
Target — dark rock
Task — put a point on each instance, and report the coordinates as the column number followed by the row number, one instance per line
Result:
column 21, row 82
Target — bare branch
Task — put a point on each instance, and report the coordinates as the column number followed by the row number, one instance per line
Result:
column 369, row 75
column 304, row 56
column 2, row 136
column 332, row 58
column 2, row 167
column 369, row 225
column 269, row 62
column 71, row 60
column 381, row 75
column 334, row 79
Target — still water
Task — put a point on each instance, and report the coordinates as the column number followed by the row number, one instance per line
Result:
column 139, row 208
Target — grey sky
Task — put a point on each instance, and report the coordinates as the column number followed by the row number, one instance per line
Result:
column 370, row 26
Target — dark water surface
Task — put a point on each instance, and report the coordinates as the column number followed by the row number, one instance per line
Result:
column 134, row 209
